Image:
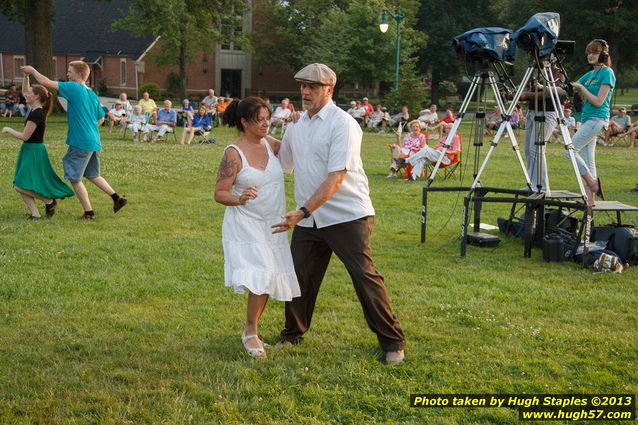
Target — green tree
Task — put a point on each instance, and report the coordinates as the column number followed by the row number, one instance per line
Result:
column 441, row 20
column 582, row 21
column 37, row 18
column 411, row 91
column 185, row 27
column 343, row 34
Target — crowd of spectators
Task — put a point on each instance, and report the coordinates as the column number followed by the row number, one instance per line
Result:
column 144, row 117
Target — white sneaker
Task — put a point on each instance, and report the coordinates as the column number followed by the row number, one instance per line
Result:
column 391, row 176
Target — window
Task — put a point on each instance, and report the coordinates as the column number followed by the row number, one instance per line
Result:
column 55, row 68
column 122, row 72
column 18, row 61
column 232, row 46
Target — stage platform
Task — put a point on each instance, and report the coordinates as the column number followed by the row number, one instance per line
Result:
column 534, row 203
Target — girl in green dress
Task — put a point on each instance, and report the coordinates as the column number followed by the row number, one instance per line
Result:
column 34, row 177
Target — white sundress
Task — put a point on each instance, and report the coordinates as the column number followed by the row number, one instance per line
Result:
column 255, row 259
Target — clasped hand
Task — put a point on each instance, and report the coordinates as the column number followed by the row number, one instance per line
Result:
column 247, row 195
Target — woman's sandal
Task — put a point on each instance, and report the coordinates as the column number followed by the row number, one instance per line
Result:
column 258, row 352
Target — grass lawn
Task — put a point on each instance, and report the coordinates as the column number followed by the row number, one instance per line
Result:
column 126, row 319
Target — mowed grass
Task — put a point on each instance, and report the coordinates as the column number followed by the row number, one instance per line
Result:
column 127, row 320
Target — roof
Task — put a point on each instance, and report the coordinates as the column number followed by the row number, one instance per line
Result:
column 81, row 26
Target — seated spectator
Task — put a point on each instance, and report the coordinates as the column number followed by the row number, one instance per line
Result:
column 222, row 104
column 618, row 124
column 267, row 102
column 187, row 111
column 446, row 122
column 413, row 142
column 378, row 117
column 633, row 132
column 148, row 105
column 429, row 116
column 428, row 155
column 290, row 105
column 570, row 122
column 23, row 106
column 402, row 116
column 136, row 121
column 357, row 111
column 517, row 120
column 281, row 116
column 200, row 123
column 126, row 105
column 368, row 109
column 12, row 98
column 211, row 101
column 494, row 119
column 117, row 114
column 164, row 123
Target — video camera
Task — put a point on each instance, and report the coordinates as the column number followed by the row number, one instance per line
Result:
column 491, row 44
column 539, row 34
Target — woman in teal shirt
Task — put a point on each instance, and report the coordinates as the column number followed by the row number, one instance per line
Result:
column 596, row 88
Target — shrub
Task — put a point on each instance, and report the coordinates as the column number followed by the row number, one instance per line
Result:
column 152, row 89
column 447, row 88
column 102, row 89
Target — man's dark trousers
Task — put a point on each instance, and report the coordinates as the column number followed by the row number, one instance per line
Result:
column 350, row 241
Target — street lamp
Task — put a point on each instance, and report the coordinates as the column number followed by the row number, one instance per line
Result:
column 383, row 26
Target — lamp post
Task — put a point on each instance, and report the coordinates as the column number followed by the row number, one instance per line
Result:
column 383, row 26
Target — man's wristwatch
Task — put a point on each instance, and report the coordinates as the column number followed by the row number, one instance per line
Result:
column 305, row 211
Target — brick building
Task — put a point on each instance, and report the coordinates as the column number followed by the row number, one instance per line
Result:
column 122, row 63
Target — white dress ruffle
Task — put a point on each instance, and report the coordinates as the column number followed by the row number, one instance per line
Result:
column 255, row 259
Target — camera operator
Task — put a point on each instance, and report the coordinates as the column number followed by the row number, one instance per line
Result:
column 596, row 88
column 540, row 104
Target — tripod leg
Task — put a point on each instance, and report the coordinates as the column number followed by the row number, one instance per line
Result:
column 508, row 126
column 457, row 123
column 567, row 139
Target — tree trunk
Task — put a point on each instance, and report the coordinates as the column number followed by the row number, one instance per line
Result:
column 182, row 64
column 38, row 26
column 436, row 79
column 337, row 89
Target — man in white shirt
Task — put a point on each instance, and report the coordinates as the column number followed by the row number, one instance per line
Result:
column 429, row 116
column 335, row 211
column 117, row 114
column 281, row 116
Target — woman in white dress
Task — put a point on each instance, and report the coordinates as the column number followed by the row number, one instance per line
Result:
column 250, row 183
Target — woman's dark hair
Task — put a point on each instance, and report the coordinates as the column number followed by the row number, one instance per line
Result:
column 247, row 109
column 45, row 98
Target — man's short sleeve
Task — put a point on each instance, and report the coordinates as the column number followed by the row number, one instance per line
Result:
column 345, row 146
column 66, row 89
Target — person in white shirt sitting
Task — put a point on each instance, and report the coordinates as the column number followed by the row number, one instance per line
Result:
column 117, row 115
column 135, row 121
column 126, row 105
column 378, row 117
column 429, row 116
column 281, row 116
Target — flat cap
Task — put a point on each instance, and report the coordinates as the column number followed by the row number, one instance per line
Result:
column 317, row 73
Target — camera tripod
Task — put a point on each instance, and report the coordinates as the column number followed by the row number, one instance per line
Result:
column 544, row 69
column 479, row 80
